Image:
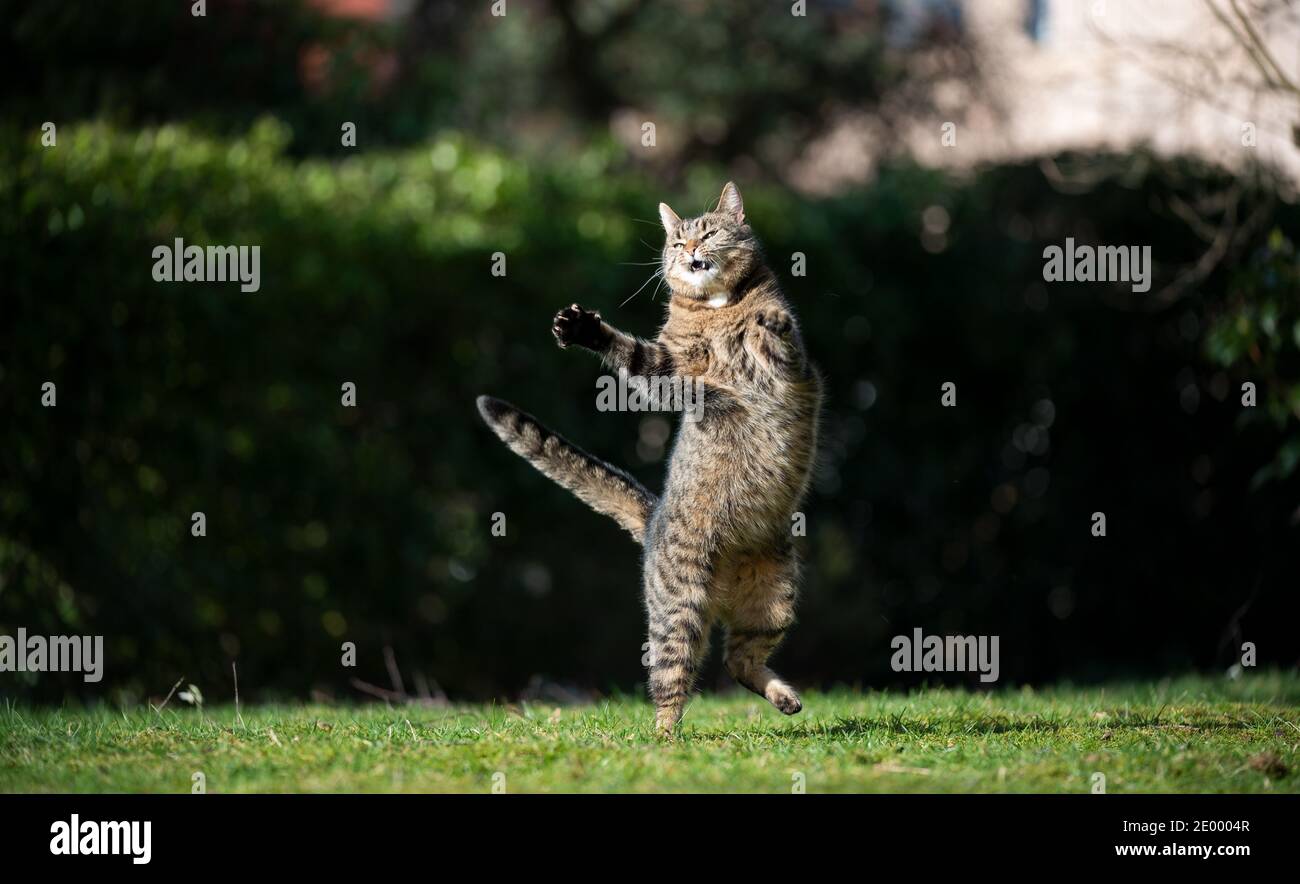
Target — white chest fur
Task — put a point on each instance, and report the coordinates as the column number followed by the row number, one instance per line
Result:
column 719, row 300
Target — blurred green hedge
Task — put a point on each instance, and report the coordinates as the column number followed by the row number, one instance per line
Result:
column 328, row 524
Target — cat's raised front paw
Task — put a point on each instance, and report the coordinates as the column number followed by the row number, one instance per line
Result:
column 575, row 325
column 776, row 321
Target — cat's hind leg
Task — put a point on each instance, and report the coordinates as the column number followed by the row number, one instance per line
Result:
column 677, row 580
column 761, row 609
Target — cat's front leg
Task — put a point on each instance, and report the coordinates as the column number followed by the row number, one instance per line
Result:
column 774, row 342
column 575, row 325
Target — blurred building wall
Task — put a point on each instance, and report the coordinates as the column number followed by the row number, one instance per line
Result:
column 1096, row 74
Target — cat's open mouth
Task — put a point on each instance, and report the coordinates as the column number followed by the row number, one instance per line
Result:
column 697, row 273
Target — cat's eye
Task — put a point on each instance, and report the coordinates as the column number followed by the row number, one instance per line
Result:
column 707, row 235
column 678, row 245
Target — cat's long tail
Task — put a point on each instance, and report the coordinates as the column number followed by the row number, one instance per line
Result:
column 603, row 487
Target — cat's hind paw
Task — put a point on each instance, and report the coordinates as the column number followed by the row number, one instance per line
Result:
column 783, row 697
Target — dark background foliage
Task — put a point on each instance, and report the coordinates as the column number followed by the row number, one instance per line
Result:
column 371, row 524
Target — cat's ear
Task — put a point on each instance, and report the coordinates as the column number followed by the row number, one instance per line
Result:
column 669, row 218
column 730, row 202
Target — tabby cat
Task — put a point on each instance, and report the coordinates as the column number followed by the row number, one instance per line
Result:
column 717, row 542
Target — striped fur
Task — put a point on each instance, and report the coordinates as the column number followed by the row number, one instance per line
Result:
column 717, row 543
column 604, row 488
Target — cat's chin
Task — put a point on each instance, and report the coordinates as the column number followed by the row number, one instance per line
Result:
column 700, row 280
column 699, row 285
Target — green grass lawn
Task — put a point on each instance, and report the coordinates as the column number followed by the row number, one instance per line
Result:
column 1185, row 735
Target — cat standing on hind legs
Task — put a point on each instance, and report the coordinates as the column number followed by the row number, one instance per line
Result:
column 717, row 542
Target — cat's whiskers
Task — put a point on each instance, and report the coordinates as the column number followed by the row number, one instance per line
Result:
column 658, row 273
column 662, row 282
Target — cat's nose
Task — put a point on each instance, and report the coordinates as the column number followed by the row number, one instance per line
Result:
column 691, row 246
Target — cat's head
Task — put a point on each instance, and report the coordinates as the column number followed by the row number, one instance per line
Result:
column 705, row 258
